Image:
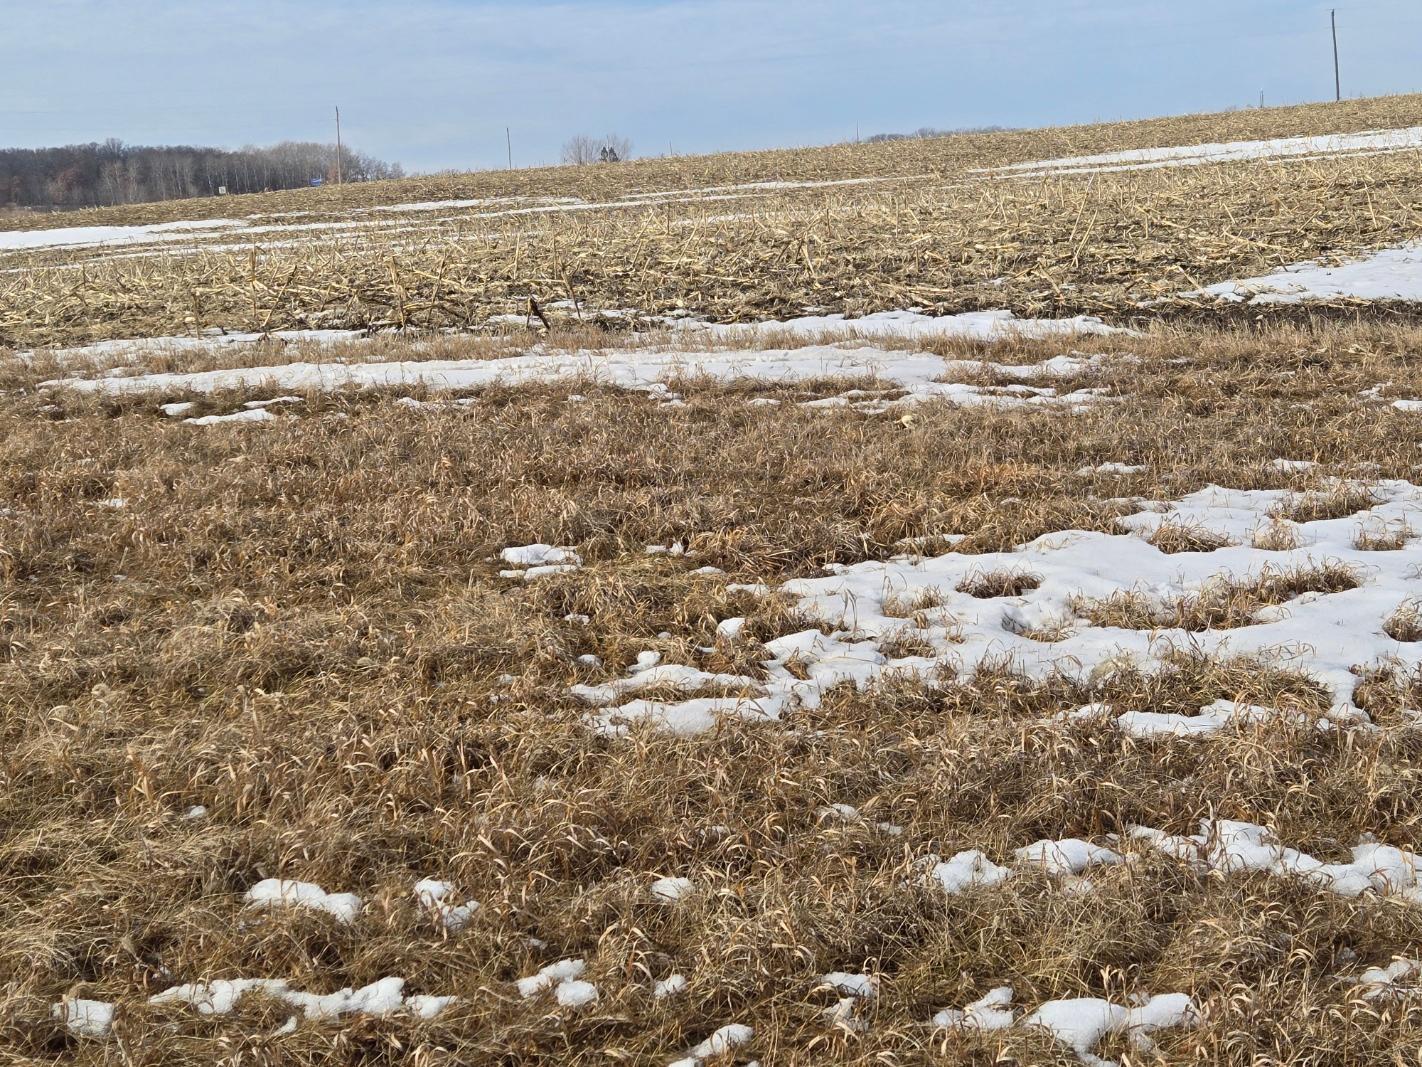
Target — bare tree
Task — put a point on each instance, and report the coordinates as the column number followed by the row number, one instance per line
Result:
column 581, row 150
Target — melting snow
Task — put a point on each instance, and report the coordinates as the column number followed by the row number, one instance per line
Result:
column 1382, row 982
column 279, row 891
column 972, row 325
column 534, row 555
column 539, row 561
column 967, row 870
column 87, row 1018
column 564, row 979
column 991, row 1012
column 249, row 415
column 1079, row 1023
column 914, row 375
column 1367, row 142
column 669, row 987
column 70, row 236
column 670, row 890
column 380, row 998
column 1323, row 636
column 1389, row 274
column 434, row 894
column 720, row 1042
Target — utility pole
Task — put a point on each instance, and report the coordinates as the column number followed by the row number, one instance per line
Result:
column 338, row 145
column 1337, row 79
column 508, row 136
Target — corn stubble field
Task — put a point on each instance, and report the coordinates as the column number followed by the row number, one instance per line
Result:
column 793, row 720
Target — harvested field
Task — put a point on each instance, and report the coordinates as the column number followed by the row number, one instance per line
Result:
column 853, row 229
column 613, row 688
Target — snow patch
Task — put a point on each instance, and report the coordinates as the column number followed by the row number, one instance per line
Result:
column 914, row 377
column 1325, row 636
column 274, row 892
column 1388, row 274
column 1366, row 142
column 972, row 325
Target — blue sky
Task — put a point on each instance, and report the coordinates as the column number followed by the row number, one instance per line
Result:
column 433, row 83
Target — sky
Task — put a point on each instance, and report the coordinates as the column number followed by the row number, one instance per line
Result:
column 433, row 84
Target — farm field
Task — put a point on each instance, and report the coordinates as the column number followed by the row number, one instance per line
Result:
column 950, row 601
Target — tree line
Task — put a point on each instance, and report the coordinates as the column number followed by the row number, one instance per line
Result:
column 925, row 132
column 103, row 175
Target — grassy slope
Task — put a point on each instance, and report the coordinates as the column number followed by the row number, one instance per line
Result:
column 300, row 628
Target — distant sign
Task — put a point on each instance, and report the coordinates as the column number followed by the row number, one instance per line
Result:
column 222, row 190
column 318, row 181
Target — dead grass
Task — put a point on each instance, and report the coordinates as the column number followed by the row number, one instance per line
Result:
column 1405, row 624
column 1330, row 504
column 999, row 583
column 1172, row 537
column 301, row 627
column 1383, row 538
column 1220, row 605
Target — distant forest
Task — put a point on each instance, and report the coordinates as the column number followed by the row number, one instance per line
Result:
column 102, row 175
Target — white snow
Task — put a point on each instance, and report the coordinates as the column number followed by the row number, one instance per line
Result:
column 70, row 236
column 1109, row 468
column 670, row 890
column 853, row 985
column 381, row 998
column 1212, row 719
column 130, row 349
column 1323, row 636
column 670, row 676
column 434, row 895
column 1366, row 142
column 721, row 1041
column 574, row 994
column 1079, row 1023
column 730, row 629
column 991, row 1012
column 536, row 555
column 539, row 561
column 1068, row 856
column 669, row 986
column 914, row 375
column 564, row 979
column 534, row 573
column 271, row 892
column 967, row 870
column 1232, row 847
column 87, row 1018
column 248, row 415
column 971, row 325
column 1377, row 983
column 1388, row 274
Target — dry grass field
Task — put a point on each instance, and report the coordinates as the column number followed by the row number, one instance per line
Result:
column 802, row 700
